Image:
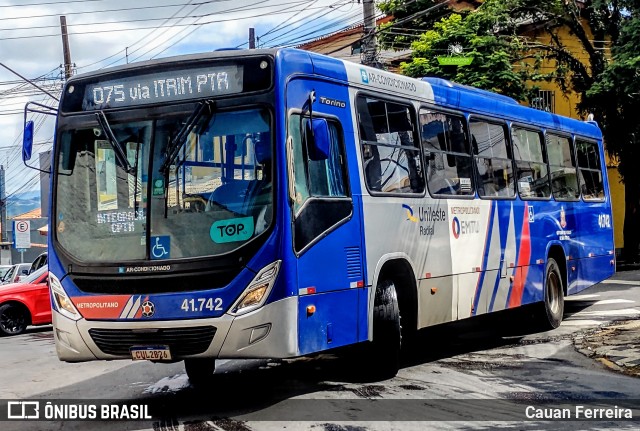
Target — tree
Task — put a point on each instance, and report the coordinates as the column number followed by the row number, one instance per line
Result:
column 497, row 65
column 511, row 39
column 615, row 100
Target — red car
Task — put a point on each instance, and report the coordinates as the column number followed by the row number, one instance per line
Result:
column 25, row 303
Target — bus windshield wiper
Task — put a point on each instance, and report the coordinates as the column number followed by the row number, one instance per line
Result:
column 121, row 157
column 205, row 109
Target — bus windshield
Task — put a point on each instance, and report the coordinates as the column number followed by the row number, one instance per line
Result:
column 156, row 190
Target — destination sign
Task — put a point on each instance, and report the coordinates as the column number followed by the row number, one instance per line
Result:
column 163, row 87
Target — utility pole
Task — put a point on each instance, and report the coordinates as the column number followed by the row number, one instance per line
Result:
column 65, row 47
column 252, row 38
column 3, row 207
column 369, row 50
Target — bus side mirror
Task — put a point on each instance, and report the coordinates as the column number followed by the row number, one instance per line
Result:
column 318, row 139
column 27, row 141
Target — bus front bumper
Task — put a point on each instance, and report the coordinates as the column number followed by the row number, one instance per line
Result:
column 268, row 332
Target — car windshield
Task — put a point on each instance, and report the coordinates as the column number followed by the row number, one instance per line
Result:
column 35, row 275
column 191, row 186
column 4, row 270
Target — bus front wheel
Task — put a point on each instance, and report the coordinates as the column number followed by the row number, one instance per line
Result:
column 553, row 305
column 387, row 332
column 199, row 370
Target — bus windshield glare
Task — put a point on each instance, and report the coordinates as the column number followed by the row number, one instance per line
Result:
column 213, row 196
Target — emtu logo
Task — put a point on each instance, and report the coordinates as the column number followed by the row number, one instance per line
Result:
column 455, row 227
column 410, row 215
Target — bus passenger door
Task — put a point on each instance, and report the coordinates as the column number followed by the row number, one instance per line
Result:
column 326, row 234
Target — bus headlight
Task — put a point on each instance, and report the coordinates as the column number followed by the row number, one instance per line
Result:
column 257, row 293
column 63, row 302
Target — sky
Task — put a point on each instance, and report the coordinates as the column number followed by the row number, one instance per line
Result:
column 104, row 33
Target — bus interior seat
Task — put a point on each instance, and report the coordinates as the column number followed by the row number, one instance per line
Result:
column 230, row 195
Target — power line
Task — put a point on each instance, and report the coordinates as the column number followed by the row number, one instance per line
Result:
column 49, row 3
column 287, row 10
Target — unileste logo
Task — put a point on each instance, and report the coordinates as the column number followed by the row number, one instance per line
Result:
column 410, row 215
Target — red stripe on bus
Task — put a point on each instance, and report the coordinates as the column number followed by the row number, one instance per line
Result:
column 524, row 257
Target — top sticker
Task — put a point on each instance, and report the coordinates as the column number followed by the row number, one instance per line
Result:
column 232, row 230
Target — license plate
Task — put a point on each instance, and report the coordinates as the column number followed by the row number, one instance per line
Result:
column 151, row 353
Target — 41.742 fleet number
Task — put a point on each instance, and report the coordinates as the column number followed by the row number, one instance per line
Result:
column 199, row 304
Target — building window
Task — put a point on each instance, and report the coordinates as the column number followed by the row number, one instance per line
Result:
column 545, row 101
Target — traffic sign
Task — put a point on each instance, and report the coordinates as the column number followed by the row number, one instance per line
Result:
column 22, row 234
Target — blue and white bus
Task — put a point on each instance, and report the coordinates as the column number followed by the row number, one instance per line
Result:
column 279, row 203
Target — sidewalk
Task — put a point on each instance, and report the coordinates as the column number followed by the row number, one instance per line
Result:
column 617, row 346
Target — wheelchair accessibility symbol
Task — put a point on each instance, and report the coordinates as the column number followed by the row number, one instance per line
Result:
column 161, row 247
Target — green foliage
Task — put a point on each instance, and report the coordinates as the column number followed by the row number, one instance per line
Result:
column 496, row 66
column 511, row 41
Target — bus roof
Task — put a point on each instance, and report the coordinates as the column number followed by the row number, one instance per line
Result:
column 437, row 91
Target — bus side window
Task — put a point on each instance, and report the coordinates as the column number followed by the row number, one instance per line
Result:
column 316, row 178
column 449, row 165
column 564, row 178
column 493, row 159
column 391, row 155
column 531, row 167
column 590, row 171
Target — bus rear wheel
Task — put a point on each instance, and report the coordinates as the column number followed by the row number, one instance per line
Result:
column 199, row 370
column 552, row 308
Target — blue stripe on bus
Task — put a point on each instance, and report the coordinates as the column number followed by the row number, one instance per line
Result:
column 485, row 258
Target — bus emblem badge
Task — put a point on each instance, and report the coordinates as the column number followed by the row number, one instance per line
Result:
column 563, row 218
column 148, row 309
column 364, row 75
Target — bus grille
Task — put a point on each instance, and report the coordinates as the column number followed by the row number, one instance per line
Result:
column 181, row 341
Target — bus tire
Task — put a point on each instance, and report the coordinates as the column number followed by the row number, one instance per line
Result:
column 553, row 304
column 387, row 332
column 199, row 370
column 13, row 319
